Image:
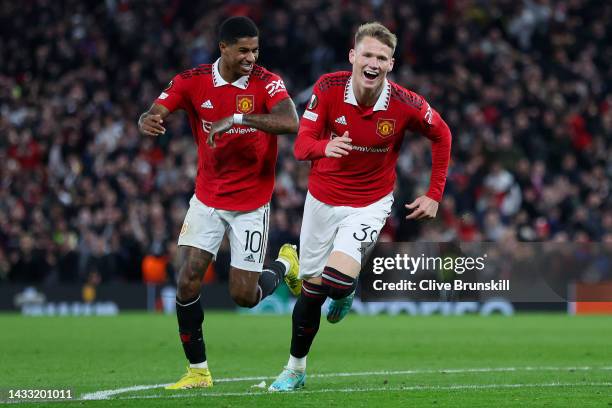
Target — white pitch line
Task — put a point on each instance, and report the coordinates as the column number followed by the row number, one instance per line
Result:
column 456, row 387
column 106, row 394
column 100, row 395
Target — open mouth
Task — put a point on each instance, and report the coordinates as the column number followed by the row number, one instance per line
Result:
column 371, row 75
column 246, row 67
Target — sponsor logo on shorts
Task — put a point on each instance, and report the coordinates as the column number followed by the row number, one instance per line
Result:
column 250, row 258
column 245, row 103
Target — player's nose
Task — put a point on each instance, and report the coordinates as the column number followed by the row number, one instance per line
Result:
column 250, row 57
column 373, row 63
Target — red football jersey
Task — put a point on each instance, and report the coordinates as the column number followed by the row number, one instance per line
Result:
column 238, row 174
column 368, row 172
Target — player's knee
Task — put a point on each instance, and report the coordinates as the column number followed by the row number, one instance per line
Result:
column 244, row 297
column 189, row 281
column 188, row 289
column 338, row 284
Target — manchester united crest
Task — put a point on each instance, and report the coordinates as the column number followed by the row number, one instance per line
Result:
column 385, row 127
column 245, row 103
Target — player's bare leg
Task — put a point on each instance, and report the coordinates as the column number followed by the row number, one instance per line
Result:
column 248, row 288
column 243, row 287
column 194, row 263
column 344, row 263
column 191, row 316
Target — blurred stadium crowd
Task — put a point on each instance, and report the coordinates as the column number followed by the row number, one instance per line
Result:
column 525, row 87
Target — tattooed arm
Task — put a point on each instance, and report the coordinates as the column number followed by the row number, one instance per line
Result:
column 282, row 119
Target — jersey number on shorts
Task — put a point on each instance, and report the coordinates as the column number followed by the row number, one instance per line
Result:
column 253, row 241
column 364, row 234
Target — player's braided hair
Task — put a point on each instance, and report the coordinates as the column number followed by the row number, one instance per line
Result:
column 378, row 31
column 237, row 27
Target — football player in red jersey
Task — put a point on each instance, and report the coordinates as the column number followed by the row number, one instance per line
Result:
column 235, row 108
column 352, row 132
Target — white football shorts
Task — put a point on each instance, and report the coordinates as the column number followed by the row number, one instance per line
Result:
column 327, row 228
column 204, row 228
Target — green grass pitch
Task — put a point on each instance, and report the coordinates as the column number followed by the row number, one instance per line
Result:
column 543, row 360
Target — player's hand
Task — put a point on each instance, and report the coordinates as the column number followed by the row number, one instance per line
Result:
column 151, row 125
column 339, row 146
column 422, row 208
column 218, row 128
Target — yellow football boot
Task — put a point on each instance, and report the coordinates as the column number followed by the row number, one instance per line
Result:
column 289, row 253
column 195, row 378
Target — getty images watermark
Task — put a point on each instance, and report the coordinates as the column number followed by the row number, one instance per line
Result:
column 515, row 271
column 413, row 265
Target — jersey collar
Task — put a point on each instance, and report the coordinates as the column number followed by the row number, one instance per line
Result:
column 242, row 82
column 381, row 104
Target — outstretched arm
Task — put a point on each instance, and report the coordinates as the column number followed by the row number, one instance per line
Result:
column 281, row 119
column 150, row 122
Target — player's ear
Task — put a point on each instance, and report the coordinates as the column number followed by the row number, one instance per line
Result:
column 352, row 56
column 222, row 46
column 391, row 64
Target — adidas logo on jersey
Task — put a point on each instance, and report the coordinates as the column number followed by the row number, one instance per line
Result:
column 341, row 120
column 207, row 104
column 250, row 258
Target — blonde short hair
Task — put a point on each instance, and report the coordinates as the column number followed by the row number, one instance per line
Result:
column 378, row 31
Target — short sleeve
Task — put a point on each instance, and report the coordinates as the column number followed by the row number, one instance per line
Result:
column 275, row 91
column 175, row 95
